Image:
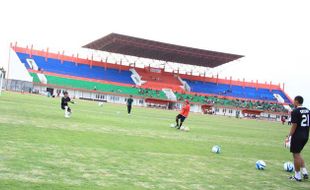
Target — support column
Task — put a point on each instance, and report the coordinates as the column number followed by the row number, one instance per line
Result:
column 105, row 64
column 77, row 59
column 91, row 61
column 46, row 55
column 243, row 83
column 27, row 51
column 120, row 66
column 31, row 48
column 270, row 86
column 62, row 56
column 15, row 46
column 73, row 58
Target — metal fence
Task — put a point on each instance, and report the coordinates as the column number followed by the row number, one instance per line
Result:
column 17, row 85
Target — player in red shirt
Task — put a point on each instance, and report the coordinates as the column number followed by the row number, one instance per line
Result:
column 183, row 114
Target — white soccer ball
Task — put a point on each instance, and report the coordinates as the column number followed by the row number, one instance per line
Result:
column 100, row 104
column 216, row 149
column 260, row 165
column 172, row 125
column 288, row 166
column 183, row 128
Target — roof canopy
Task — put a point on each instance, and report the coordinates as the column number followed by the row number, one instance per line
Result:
column 127, row 45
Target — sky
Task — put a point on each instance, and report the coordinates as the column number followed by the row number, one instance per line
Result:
column 273, row 35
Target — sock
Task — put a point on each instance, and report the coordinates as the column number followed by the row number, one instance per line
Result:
column 66, row 111
column 297, row 175
column 304, row 171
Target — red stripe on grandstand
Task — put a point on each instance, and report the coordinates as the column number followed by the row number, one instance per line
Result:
column 160, row 86
column 80, row 78
column 157, row 101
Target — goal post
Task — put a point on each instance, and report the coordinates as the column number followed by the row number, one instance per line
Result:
column 1, row 81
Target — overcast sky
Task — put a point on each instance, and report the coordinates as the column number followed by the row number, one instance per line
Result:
column 274, row 35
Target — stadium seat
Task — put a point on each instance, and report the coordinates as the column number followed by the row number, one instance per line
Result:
column 235, row 91
column 159, row 80
column 80, row 70
column 88, row 85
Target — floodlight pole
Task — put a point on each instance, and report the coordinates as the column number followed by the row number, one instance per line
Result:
column 1, row 81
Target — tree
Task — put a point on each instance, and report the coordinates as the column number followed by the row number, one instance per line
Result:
column 3, row 71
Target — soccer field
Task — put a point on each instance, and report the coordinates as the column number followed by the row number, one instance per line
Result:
column 104, row 148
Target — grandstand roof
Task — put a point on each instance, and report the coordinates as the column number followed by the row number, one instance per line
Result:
column 127, row 45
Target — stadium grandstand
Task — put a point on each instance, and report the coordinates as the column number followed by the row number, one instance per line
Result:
column 157, row 74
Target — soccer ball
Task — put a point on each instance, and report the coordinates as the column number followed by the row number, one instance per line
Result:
column 288, row 166
column 100, row 104
column 216, row 149
column 183, row 128
column 260, row 165
column 172, row 125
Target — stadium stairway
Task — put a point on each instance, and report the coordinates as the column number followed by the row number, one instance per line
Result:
column 186, row 87
column 136, row 77
column 169, row 94
column 32, row 64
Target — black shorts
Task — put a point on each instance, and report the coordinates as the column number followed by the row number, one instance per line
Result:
column 181, row 117
column 297, row 144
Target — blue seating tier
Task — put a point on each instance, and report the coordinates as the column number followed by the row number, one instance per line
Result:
column 80, row 70
column 235, row 91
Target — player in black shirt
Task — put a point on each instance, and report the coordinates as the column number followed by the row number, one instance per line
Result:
column 64, row 104
column 298, row 136
column 129, row 104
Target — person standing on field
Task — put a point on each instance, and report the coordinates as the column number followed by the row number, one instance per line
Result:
column 298, row 137
column 64, row 104
column 129, row 104
column 180, row 118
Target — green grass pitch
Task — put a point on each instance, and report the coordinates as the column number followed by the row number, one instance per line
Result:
column 104, row 148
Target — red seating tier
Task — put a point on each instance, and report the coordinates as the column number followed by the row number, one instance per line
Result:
column 158, row 79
